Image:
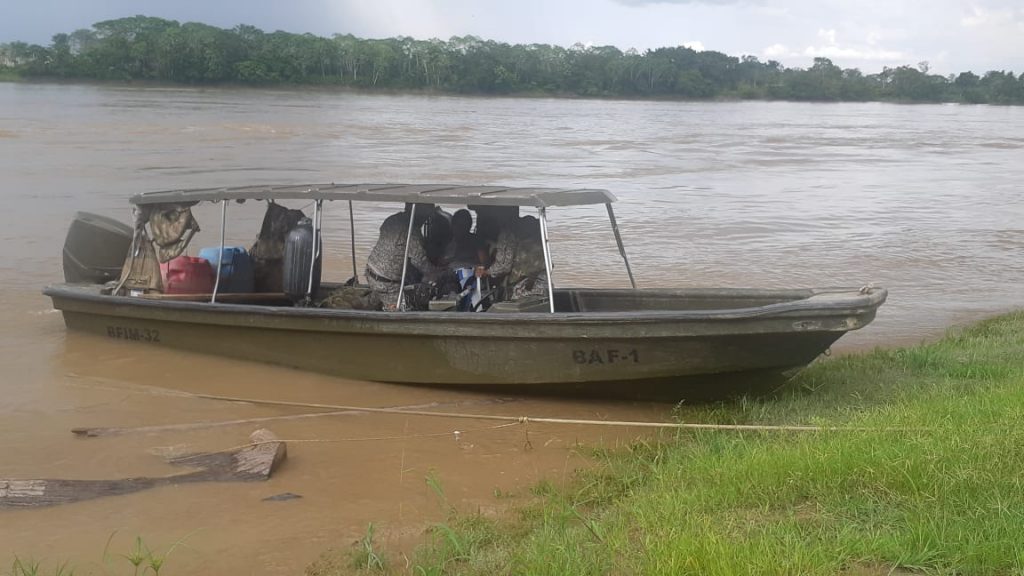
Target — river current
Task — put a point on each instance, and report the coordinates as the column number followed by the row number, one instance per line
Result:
column 924, row 200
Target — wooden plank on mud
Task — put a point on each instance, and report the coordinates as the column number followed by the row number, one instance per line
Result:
column 252, row 462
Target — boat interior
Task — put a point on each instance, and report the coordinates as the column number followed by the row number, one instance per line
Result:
column 282, row 268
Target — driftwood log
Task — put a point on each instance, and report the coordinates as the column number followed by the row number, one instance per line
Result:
column 254, row 461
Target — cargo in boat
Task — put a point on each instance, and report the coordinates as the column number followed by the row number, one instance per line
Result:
column 678, row 343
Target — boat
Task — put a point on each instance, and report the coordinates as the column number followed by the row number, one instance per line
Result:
column 678, row 343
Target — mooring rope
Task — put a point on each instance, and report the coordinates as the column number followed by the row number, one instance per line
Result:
column 547, row 420
column 454, row 433
column 513, row 419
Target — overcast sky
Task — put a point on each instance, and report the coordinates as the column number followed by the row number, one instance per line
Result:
column 952, row 35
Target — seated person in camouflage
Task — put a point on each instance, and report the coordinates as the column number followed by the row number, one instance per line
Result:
column 518, row 263
column 384, row 265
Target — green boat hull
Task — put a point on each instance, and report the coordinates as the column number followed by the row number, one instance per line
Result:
column 668, row 343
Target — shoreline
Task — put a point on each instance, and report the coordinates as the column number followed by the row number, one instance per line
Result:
column 805, row 502
column 327, row 88
column 780, row 499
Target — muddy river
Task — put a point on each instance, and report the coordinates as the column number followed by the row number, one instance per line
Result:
column 925, row 200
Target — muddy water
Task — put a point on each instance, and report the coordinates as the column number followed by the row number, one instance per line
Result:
column 925, row 200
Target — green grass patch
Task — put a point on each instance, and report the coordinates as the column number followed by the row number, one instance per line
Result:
column 363, row 558
column 934, row 484
column 138, row 560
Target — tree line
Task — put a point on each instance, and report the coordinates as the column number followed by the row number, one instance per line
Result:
column 154, row 49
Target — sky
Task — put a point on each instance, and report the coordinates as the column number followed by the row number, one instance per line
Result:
column 951, row 35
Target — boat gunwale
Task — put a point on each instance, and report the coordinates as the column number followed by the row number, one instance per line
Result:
column 857, row 302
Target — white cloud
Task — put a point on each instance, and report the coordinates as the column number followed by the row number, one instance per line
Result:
column 1005, row 20
column 872, row 54
column 980, row 16
column 776, row 50
column 845, row 54
column 694, row 45
column 833, row 49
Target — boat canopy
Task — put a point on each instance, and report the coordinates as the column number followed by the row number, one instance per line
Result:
column 415, row 193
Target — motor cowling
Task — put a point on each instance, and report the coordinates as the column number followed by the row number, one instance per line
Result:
column 95, row 248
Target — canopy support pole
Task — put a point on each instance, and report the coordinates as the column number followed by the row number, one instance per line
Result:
column 405, row 260
column 618, row 240
column 352, row 229
column 317, row 216
column 220, row 255
column 542, row 211
column 139, row 227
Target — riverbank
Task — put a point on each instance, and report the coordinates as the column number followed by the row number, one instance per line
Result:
column 928, row 480
column 338, row 88
column 142, row 47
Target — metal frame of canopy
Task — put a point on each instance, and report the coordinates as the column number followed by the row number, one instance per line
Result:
column 411, row 193
column 540, row 198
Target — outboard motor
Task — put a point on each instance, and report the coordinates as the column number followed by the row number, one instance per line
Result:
column 298, row 254
column 95, row 249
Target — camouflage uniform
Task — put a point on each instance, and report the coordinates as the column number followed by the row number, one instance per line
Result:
column 384, row 265
column 519, row 260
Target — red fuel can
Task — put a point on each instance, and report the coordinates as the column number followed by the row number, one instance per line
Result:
column 187, row 275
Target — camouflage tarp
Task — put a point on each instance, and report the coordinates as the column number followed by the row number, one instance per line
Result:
column 351, row 298
column 141, row 270
column 172, row 227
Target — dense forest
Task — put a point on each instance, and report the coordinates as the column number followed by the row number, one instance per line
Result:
column 154, row 49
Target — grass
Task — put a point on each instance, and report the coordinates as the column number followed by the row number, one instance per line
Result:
column 367, row 558
column 139, row 560
column 21, row 567
column 942, row 496
column 141, row 557
column 363, row 558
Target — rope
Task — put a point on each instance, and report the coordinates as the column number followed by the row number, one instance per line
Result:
column 455, row 433
column 527, row 419
column 95, row 431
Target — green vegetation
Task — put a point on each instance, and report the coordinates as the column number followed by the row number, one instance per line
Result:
column 368, row 558
column 153, row 49
column 144, row 560
column 30, row 568
column 930, row 484
column 364, row 558
column 140, row 560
